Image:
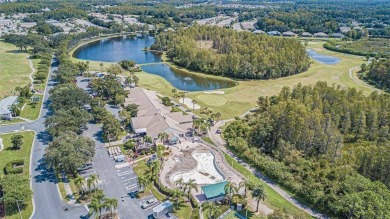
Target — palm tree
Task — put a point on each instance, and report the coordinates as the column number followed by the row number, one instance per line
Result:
column 217, row 116
column 97, row 204
column 142, row 182
column 182, row 95
column 176, row 195
column 189, row 186
column 246, row 185
column 258, row 194
column 91, row 181
column 174, row 91
column 179, row 182
column 163, row 136
column 111, row 205
column 211, row 207
column 230, row 189
column 79, row 182
column 193, row 104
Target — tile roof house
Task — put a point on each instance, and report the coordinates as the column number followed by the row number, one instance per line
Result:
column 306, row 34
column 274, row 33
column 337, row 35
column 5, row 103
column 154, row 118
column 289, row 34
column 321, row 35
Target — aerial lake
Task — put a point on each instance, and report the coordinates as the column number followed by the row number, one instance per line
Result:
column 324, row 59
column 117, row 49
column 184, row 81
column 131, row 48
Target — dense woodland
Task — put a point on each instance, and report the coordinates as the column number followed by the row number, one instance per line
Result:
column 233, row 54
column 328, row 145
column 378, row 73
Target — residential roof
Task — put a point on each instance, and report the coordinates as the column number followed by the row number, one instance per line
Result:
column 321, row 34
column 289, row 33
column 6, row 103
column 338, row 35
column 273, row 32
column 344, row 29
column 259, row 32
column 306, row 34
column 214, row 190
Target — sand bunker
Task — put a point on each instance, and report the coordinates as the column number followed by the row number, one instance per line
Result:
column 215, row 92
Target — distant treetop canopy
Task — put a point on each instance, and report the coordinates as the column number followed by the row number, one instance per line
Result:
column 225, row 52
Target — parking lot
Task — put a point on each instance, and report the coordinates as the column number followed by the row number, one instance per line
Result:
column 127, row 177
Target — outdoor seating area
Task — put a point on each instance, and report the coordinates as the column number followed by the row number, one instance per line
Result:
column 114, row 151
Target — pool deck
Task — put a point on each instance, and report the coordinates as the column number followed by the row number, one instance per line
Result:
column 183, row 151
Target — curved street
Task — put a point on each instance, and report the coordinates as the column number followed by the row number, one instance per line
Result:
column 47, row 201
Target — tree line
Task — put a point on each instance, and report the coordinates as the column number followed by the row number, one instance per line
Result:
column 378, row 73
column 328, row 145
column 233, row 54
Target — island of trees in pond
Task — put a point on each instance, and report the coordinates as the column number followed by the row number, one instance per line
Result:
column 219, row 51
column 330, row 146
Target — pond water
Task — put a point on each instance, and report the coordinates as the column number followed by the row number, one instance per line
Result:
column 324, row 59
column 131, row 48
column 117, row 49
column 184, row 81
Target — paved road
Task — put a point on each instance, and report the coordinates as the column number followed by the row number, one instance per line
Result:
column 220, row 142
column 47, row 202
column 117, row 181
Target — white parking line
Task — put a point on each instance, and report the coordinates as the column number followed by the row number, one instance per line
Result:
column 131, row 187
column 125, row 173
column 129, row 179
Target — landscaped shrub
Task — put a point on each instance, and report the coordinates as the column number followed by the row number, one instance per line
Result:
column 193, row 201
column 162, row 189
column 10, row 169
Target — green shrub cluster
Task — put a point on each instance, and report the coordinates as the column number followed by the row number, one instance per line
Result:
column 10, row 169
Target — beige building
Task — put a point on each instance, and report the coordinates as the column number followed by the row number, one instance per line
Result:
column 154, row 118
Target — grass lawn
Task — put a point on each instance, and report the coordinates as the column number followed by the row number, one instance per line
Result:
column 237, row 100
column 273, row 200
column 222, row 209
column 12, row 121
column 184, row 211
column 31, row 110
column 14, row 68
column 7, row 155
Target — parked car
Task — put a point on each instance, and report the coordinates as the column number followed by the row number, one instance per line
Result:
column 148, row 203
column 218, row 131
column 84, row 167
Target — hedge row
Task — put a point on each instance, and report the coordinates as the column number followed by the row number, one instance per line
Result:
column 10, row 169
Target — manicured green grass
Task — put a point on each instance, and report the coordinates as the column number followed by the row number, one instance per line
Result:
column 273, row 200
column 184, row 211
column 208, row 140
column 237, row 100
column 31, row 110
column 222, row 209
column 7, row 155
column 14, row 68
column 12, row 121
